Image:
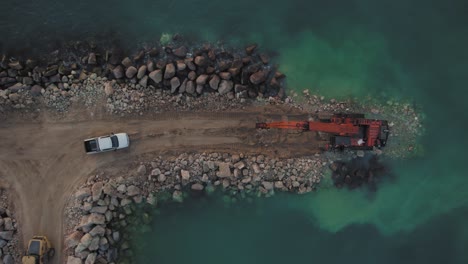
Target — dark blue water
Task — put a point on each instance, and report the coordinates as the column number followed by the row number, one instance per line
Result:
column 415, row 51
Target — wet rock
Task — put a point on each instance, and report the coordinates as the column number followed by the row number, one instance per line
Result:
column 258, row 77
column 116, row 236
column 141, row 72
column 267, row 185
column 96, row 190
column 127, row 62
column 177, row 196
column 201, row 80
column 118, row 72
column 225, row 87
column 130, row 72
column 74, row 260
column 264, row 58
column 249, row 50
column 170, row 71
column 156, row 76
column 214, row 82
column 360, row 153
column 180, row 52
column 132, row 190
column 190, row 64
column 197, row 187
column 175, row 83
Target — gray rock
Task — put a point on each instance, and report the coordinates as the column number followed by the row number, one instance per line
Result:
column 141, row 170
column 74, row 260
column 156, row 76
column 175, row 83
column 170, row 71
column 201, row 80
column 279, row 185
column 91, row 259
column 185, row 175
column 181, row 66
column 8, row 224
column 141, row 71
column 15, row 65
column 144, row 81
column 360, row 153
column 108, row 90
column 200, row 61
column 224, row 170
column 214, row 82
column 94, row 245
column 116, row 236
column 36, row 90
column 192, row 76
column 16, row 87
column 161, row 178
column 190, row 87
column 6, row 235
column 197, row 187
column 125, row 202
column 132, row 190
column 99, row 209
column 92, row 58
column 86, row 239
column 96, row 190
column 225, row 75
column 127, row 62
column 80, row 248
column 267, row 185
column 8, row 259
column 3, row 243
column 28, row 80
column 14, row 97
column 118, row 72
column 122, row 188
column 92, row 219
column 180, row 52
column 130, row 72
column 225, row 87
column 199, row 89
column 73, row 239
column 177, row 196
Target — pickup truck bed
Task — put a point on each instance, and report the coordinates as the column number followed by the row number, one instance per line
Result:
column 91, row 145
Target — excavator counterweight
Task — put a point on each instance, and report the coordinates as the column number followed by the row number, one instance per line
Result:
column 345, row 130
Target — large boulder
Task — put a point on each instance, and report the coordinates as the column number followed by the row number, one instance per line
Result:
column 8, row 259
column 214, row 82
column 185, row 175
column 201, row 80
column 6, row 235
column 36, row 90
column 8, row 224
column 127, row 62
column 132, row 190
column 73, row 239
column 225, row 87
column 224, row 170
column 97, row 190
column 97, row 231
column 118, row 72
column 200, row 61
column 197, row 187
column 175, row 83
column 92, row 219
column 156, row 76
column 258, row 77
column 74, row 260
column 141, row 71
column 190, row 87
column 131, row 71
column 170, row 71
column 91, row 259
column 180, row 52
column 86, row 240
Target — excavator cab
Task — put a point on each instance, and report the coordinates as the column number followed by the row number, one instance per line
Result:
column 39, row 251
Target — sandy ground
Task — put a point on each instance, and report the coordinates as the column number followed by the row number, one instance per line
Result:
column 43, row 160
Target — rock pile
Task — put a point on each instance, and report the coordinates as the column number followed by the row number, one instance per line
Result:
column 102, row 207
column 180, row 70
column 10, row 251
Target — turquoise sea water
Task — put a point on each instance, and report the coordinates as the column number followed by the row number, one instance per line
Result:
column 410, row 50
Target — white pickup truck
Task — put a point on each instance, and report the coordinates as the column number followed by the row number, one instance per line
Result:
column 106, row 143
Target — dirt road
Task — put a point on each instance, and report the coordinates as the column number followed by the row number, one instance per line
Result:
column 41, row 161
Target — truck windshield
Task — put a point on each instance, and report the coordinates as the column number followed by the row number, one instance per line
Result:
column 115, row 142
column 34, row 247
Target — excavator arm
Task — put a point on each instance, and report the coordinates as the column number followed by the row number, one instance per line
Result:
column 297, row 125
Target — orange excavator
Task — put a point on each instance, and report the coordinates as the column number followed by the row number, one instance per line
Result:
column 350, row 131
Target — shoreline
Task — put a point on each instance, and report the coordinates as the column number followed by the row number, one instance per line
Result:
column 76, row 96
